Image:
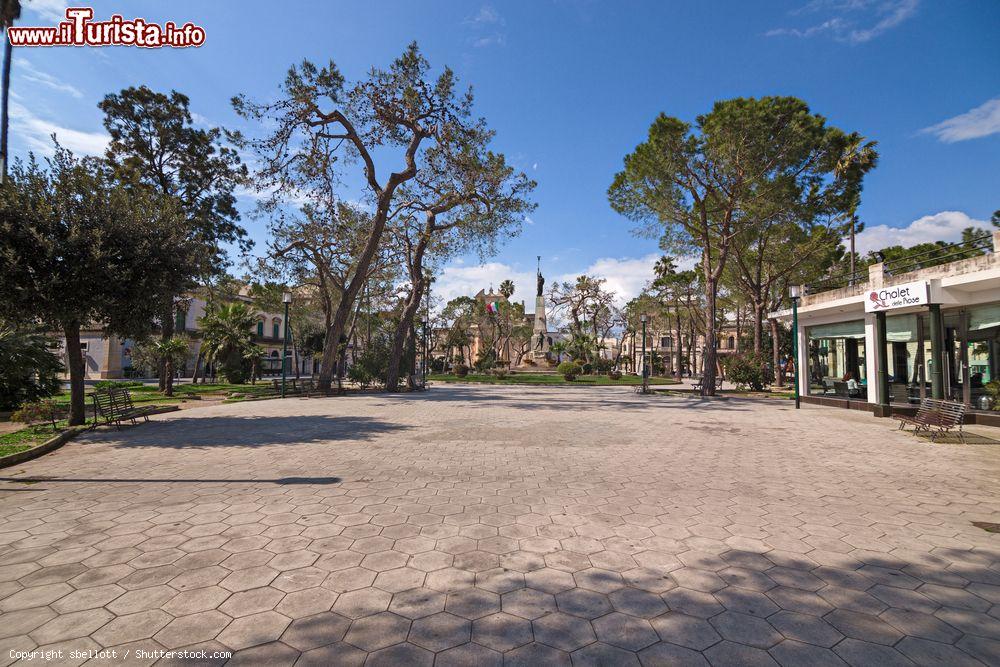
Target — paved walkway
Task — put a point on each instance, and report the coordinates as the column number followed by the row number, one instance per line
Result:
column 516, row 525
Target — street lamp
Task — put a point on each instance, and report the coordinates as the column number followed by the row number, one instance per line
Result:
column 795, row 292
column 287, row 300
column 645, row 366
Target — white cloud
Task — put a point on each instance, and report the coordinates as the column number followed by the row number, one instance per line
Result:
column 490, row 40
column 944, row 226
column 853, row 21
column 489, row 24
column 37, row 133
column 625, row 276
column 460, row 280
column 487, row 15
column 28, row 72
column 50, row 10
column 982, row 121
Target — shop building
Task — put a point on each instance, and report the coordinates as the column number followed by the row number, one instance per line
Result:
column 889, row 341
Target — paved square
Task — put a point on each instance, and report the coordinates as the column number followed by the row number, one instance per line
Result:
column 508, row 525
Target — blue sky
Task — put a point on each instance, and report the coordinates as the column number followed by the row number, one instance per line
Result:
column 571, row 86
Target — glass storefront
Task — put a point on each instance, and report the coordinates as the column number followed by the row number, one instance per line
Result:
column 837, row 360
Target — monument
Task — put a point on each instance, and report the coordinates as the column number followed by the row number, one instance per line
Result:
column 540, row 333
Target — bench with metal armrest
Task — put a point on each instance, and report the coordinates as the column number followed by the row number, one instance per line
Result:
column 114, row 405
column 935, row 416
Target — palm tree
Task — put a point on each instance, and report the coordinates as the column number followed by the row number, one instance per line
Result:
column 227, row 338
column 559, row 347
column 171, row 351
column 10, row 10
column 507, row 288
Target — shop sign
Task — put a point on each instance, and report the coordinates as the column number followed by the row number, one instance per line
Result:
column 897, row 296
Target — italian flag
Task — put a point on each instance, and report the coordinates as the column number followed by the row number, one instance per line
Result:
column 492, row 308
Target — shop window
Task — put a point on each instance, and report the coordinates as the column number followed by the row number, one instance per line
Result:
column 836, row 362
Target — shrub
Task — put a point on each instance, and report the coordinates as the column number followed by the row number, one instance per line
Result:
column 485, row 360
column 569, row 370
column 120, row 384
column 587, row 368
column 29, row 371
column 461, row 370
column 604, row 365
column 748, row 371
column 35, row 412
column 993, row 391
column 499, row 373
column 615, row 375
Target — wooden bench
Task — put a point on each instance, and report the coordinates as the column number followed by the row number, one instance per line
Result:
column 936, row 416
column 115, row 405
column 698, row 381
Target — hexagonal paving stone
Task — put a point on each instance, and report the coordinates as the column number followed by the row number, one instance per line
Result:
column 362, row 602
column 306, row 602
column 131, row 627
column 254, row 630
column 314, row 631
column 501, row 632
column 400, row 579
column 563, row 631
column 191, row 629
column 549, row 580
column 401, row 654
column 88, row 598
column 469, row 654
column 70, row 626
column 689, row 631
column 500, row 580
column 805, row 628
column 623, row 631
column 378, row 631
column 349, row 579
column 531, row 655
column 746, row 629
column 244, row 580
column 250, row 602
column 473, row 603
column 440, row 631
column 637, row 602
column 599, row 580
column 528, row 603
column 417, row 603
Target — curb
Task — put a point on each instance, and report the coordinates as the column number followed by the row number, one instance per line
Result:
column 49, row 445
column 61, row 439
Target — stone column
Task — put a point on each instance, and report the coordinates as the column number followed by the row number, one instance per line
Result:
column 111, row 367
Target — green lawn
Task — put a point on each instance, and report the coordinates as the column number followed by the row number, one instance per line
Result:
column 28, row 437
column 550, row 379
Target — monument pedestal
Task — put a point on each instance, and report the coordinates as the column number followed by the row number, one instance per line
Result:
column 540, row 331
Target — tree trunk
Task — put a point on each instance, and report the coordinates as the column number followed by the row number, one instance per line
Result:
column 335, row 333
column 168, row 366
column 679, row 354
column 77, row 370
column 197, row 366
column 166, row 333
column 399, row 338
column 779, row 372
column 758, row 327
column 4, row 117
column 709, row 355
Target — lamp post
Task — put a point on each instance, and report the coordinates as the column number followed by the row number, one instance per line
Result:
column 645, row 367
column 795, row 292
column 287, row 299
